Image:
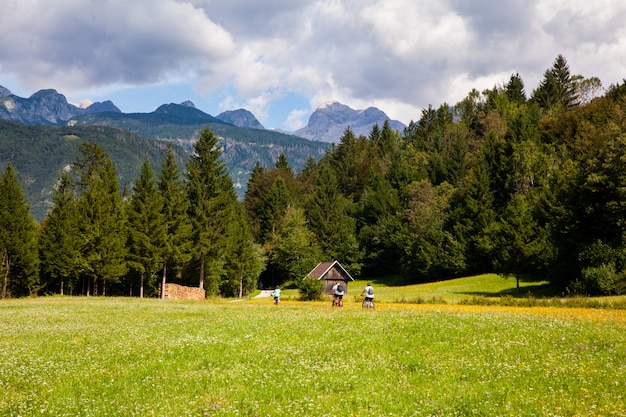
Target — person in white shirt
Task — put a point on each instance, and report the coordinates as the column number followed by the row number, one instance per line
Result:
column 338, row 292
column 368, row 291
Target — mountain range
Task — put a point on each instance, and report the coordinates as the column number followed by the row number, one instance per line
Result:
column 326, row 124
column 40, row 136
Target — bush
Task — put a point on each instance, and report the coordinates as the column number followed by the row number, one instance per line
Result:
column 310, row 289
column 596, row 280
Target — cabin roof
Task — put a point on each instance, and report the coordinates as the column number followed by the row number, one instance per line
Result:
column 323, row 267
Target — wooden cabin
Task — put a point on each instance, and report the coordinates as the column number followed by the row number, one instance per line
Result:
column 331, row 273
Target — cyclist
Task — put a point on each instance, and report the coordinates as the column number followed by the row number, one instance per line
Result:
column 338, row 294
column 277, row 295
column 368, row 291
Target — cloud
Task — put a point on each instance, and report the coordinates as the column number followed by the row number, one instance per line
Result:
column 398, row 55
column 73, row 45
column 297, row 119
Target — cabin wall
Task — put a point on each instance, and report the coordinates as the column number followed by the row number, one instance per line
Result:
column 331, row 278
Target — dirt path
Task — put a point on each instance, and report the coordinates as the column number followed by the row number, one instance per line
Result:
column 264, row 294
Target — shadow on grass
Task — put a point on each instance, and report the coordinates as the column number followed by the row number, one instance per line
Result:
column 537, row 291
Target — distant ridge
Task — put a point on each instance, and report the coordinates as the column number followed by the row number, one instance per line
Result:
column 45, row 107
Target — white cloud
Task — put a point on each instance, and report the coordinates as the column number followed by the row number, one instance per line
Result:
column 72, row 45
column 297, row 119
column 398, row 55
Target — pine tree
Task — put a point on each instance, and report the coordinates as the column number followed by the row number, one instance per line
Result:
column 19, row 275
column 245, row 258
column 146, row 227
column 473, row 216
column 102, row 223
column 211, row 201
column 177, row 234
column 515, row 90
column 295, row 250
column 429, row 249
column 519, row 244
column 253, row 200
column 353, row 161
column 328, row 217
column 558, row 90
column 275, row 203
column 59, row 242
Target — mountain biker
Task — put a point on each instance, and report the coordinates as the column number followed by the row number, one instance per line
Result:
column 338, row 294
column 276, row 294
column 368, row 291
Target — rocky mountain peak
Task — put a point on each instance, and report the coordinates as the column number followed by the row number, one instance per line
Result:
column 46, row 107
column 4, row 92
column 240, row 118
column 330, row 119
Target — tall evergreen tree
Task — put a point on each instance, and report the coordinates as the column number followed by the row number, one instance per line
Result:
column 429, row 250
column 520, row 246
column 473, row 215
column 333, row 227
column 378, row 221
column 296, row 252
column 102, row 223
column 557, row 90
column 146, row 228
column 254, row 198
column 19, row 275
column 515, row 90
column 275, row 203
column 211, row 201
column 245, row 258
column 59, row 242
column 177, row 235
column 353, row 161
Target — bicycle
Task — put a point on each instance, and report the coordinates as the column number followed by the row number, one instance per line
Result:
column 337, row 301
column 367, row 303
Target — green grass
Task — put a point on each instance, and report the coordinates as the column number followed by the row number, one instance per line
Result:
column 486, row 289
column 454, row 290
column 65, row 356
column 449, row 291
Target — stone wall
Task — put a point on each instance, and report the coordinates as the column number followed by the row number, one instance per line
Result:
column 179, row 292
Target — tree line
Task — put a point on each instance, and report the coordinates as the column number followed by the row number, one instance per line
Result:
column 520, row 185
column 99, row 240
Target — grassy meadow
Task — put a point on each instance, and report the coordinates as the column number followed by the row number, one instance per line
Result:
column 76, row 356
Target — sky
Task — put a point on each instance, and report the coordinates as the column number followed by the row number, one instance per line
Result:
column 281, row 59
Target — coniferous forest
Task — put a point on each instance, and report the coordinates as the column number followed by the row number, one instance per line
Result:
column 508, row 181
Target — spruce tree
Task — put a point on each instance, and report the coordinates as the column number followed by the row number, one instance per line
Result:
column 59, row 242
column 515, row 90
column 333, row 227
column 275, row 203
column 19, row 275
column 102, row 222
column 296, row 252
column 557, row 90
column 146, row 228
column 520, row 245
column 177, row 234
column 211, row 200
column 245, row 258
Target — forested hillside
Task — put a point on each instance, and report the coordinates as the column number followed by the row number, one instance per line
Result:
column 242, row 147
column 502, row 181
column 40, row 154
column 505, row 180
